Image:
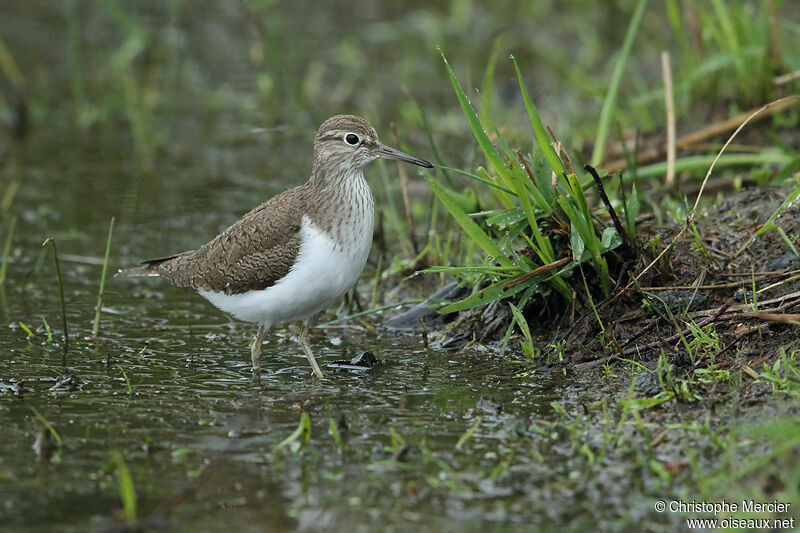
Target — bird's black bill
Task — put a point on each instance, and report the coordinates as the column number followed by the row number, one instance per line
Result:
column 387, row 152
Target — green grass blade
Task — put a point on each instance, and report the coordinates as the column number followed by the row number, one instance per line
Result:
column 468, row 225
column 541, row 134
column 518, row 178
column 300, row 436
column 522, row 323
column 490, row 294
column 335, row 435
column 469, row 433
column 700, row 163
column 504, row 219
column 127, row 381
column 48, row 426
column 489, row 150
column 488, row 76
column 505, row 199
column 521, row 184
column 60, row 288
column 434, row 148
column 126, row 491
column 483, row 269
column 475, row 177
column 613, row 88
column 770, row 222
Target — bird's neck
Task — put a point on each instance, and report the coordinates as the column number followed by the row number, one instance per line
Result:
column 340, row 199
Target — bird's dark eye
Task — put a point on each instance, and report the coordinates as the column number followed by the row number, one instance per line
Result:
column 351, row 139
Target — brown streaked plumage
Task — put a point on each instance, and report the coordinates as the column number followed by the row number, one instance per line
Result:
column 295, row 254
column 252, row 254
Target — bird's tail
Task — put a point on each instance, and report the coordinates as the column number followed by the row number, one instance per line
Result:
column 136, row 272
column 147, row 268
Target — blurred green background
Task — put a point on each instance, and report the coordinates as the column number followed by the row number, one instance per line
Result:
column 131, row 108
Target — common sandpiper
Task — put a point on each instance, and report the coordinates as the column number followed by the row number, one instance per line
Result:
column 300, row 251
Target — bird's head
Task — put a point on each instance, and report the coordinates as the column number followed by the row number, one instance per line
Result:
column 345, row 143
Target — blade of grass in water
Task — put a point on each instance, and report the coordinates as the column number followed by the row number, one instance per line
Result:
column 300, row 437
column 48, row 426
column 469, row 433
column 60, row 288
column 7, row 249
column 126, row 491
column 334, row 431
column 368, row 312
column 127, row 381
column 613, row 87
column 96, row 327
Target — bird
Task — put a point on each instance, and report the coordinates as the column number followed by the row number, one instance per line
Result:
column 299, row 252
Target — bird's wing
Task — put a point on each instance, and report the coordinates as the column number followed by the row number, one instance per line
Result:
column 252, row 254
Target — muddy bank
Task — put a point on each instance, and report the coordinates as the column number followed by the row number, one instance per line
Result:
column 719, row 275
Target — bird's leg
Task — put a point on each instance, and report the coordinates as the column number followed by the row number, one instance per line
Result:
column 255, row 348
column 307, row 349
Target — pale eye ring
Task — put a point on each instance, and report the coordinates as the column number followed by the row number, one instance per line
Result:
column 351, row 139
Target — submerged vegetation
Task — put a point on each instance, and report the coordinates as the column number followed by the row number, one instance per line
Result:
column 618, row 244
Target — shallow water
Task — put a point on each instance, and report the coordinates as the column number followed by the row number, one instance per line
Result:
column 188, row 409
column 193, row 406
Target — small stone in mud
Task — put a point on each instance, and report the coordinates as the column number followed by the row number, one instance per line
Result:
column 787, row 260
column 681, row 359
column 647, row 383
column 360, row 363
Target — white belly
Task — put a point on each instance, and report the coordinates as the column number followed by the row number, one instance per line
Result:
column 322, row 273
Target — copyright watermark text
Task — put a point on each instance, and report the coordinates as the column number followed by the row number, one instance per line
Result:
column 724, row 508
